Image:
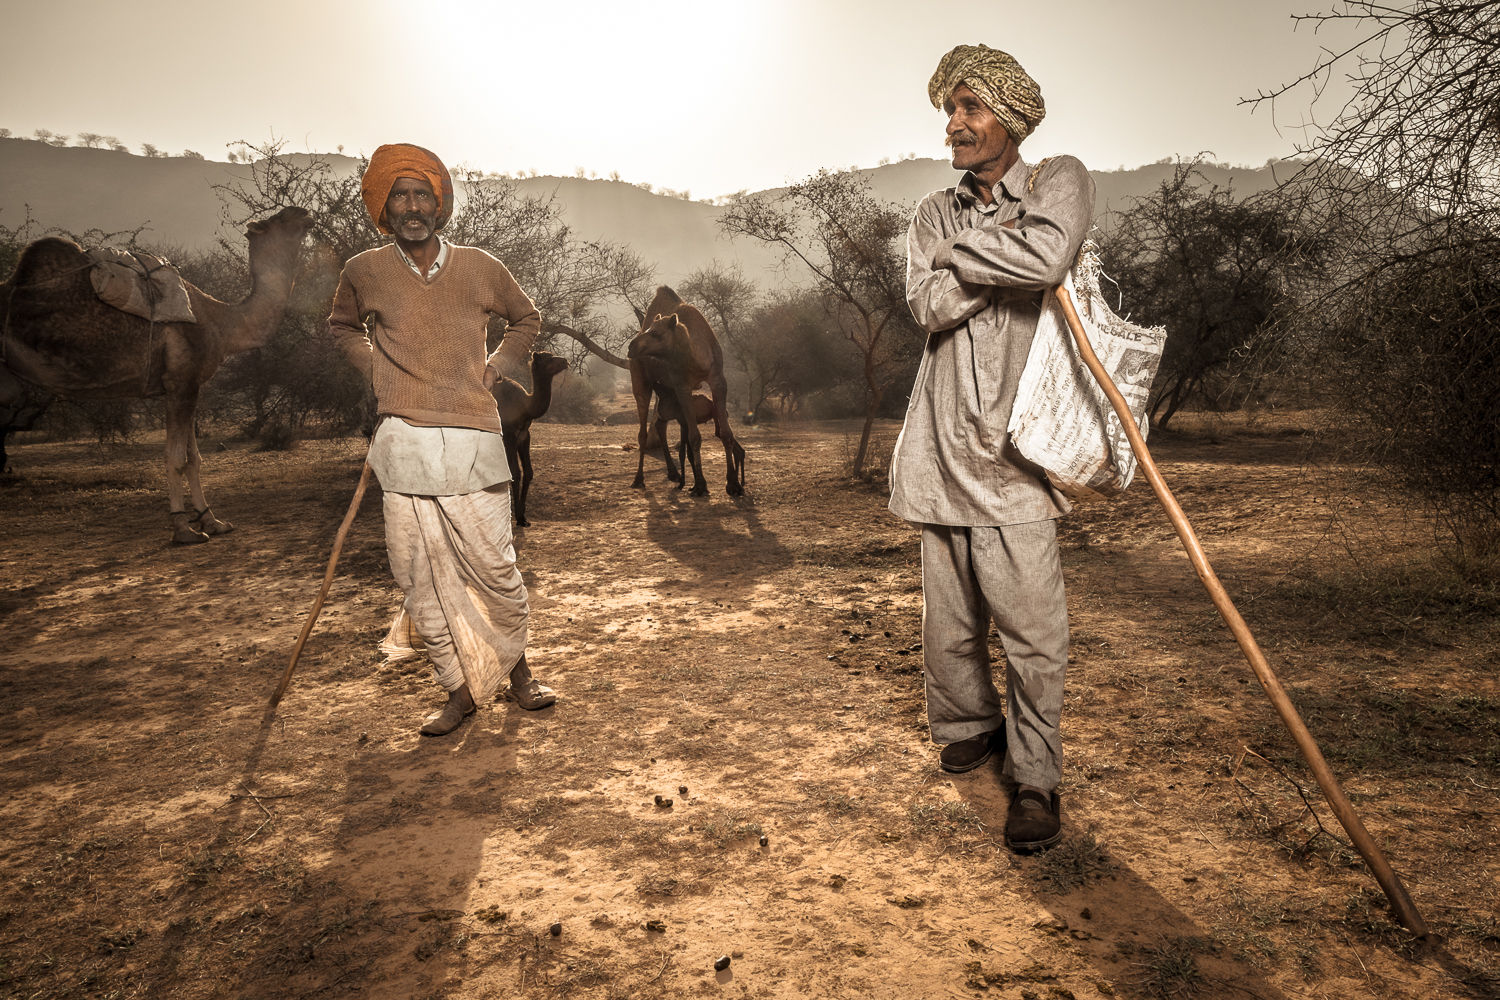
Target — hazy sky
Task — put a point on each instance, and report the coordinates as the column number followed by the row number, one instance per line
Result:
column 711, row 96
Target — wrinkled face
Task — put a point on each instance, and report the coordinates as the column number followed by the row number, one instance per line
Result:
column 979, row 142
column 411, row 210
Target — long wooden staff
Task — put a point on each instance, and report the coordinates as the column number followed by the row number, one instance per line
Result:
column 333, row 561
column 1387, row 878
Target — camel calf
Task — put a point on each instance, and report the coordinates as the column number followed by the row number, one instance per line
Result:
column 518, row 408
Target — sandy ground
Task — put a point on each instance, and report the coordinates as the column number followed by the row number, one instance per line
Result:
column 758, row 663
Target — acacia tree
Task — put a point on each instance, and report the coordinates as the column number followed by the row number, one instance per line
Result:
column 852, row 244
column 1407, row 177
column 727, row 298
column 797, row 353
column 1221, row 274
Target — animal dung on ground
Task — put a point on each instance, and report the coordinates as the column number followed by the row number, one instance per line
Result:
column 682, row 789
column 722, row 963
column 659, row 926
column 764, row 840
column 555, row 930
column 662, row 803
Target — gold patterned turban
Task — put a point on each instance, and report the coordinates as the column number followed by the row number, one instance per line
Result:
column 998, row 80
column 391, row 162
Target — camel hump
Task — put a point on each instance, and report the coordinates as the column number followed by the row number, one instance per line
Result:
column 664, row 302
column 50, row 267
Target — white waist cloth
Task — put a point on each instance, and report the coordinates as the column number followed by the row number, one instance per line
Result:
column 436, row 461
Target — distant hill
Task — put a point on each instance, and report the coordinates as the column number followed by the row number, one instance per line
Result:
column 78, row 189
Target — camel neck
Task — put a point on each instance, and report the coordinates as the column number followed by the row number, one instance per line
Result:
column 255, row 318
column 541, row 394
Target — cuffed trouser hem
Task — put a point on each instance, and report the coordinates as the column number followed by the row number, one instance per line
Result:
column 957, row 732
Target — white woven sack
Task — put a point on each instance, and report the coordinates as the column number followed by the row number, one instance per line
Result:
column 1062, row 419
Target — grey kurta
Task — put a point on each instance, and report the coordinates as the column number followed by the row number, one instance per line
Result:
column 976, row 288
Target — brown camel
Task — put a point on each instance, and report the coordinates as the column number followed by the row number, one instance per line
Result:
column 60, row 338
column 674, row 353
column 518, row 409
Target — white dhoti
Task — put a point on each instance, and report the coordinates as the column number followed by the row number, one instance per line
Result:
column 454, row 560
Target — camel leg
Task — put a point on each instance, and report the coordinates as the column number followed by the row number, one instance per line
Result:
column 734, row 452
column 674, row 474
column 734, row 459
column 523, row 452
column 182, row 456
column 642, row 394
column 694, row 440
column 204, row 519
column 513, row 459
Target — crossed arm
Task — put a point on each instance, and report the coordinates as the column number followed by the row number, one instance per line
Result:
column 949, row 278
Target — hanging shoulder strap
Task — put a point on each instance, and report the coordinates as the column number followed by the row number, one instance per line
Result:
column 1031, row 181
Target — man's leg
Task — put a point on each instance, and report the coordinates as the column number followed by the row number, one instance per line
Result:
column 411, row 565
column 1020, row 571
column 962, row 701
column 493, row 603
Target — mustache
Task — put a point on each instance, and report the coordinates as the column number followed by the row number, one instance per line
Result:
column 415, row 217
column 961, row 139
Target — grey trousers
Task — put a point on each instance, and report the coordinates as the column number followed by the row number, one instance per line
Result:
column 1013, row 573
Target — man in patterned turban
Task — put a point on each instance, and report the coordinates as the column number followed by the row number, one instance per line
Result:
column 412, row 316
column 980, row 257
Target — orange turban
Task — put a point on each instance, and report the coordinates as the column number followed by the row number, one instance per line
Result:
column 400, row 159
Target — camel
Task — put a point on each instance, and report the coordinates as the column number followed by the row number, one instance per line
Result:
column 518, row 409
column 674, row 353
column 60, row 338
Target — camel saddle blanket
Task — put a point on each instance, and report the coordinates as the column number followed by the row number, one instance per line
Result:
column 141, row 285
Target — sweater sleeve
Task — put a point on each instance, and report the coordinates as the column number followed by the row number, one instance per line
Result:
column 523, row 324
column 347, row 329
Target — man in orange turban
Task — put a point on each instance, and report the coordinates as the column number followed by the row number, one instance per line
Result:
column 437, row 449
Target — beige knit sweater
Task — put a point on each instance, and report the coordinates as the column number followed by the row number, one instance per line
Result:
column 422, row 344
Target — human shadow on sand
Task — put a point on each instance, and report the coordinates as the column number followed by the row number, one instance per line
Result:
column 1134, row 937
column 1120, row 924
column 383, row 903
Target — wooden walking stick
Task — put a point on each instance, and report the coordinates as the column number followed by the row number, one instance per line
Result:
column 1337, row 800
column 333, row 561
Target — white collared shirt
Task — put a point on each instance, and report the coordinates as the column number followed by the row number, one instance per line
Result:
column 437, row 265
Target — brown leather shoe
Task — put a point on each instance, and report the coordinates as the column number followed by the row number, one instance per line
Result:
column 965, row 755
column 1034, row 821
column 460, row 705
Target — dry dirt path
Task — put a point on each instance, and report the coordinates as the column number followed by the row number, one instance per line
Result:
column 756, row 662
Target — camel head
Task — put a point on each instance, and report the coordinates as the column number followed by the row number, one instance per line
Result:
column 663, row 336
column 287, row 226
column 545, row 364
